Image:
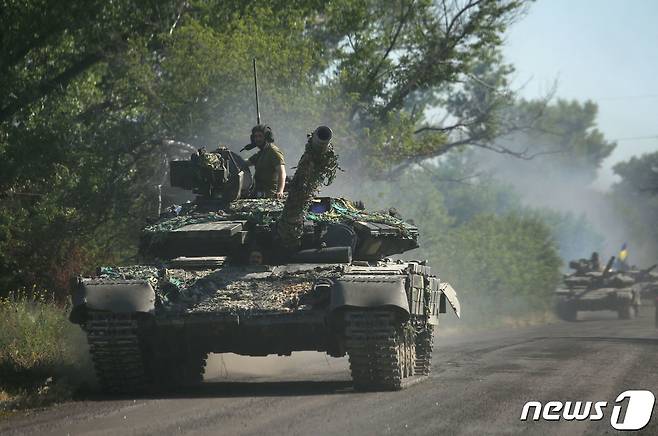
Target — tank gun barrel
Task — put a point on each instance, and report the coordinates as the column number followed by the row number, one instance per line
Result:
column 312, row 169
column 645, row 274
column 321, row 137
column 648, row 270
column 608, row 268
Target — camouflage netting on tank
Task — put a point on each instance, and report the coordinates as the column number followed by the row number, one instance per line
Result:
column 135, row 272
column 255, row 294
column 233, row 290
column 179, row 221
column 265, row 211
column 343, row 211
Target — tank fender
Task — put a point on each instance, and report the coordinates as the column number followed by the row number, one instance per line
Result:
column 451, row 296
column 117, row 296
column 370, row 292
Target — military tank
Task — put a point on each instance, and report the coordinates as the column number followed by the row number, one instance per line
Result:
column 590, row 289
column 646, row 280
column 231, row 273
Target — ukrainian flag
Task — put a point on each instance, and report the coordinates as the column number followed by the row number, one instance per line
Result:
column 623, row 254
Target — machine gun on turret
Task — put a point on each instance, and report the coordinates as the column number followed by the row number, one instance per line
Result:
column 213, row 175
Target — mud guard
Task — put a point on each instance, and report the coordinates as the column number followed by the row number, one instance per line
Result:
column 451, row 296
column 370, row 292
column 116, row 296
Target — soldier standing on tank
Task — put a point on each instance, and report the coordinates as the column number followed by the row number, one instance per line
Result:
column 270, row 176
column 594, row 262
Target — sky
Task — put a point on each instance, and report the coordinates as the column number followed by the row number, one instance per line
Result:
column 602, row 50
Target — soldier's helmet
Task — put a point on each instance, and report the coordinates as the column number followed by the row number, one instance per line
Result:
column 265, row 130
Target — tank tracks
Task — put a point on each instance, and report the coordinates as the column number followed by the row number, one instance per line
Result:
column 115, row 350
column 566, row 310
column 124, row 364
column 382, row 353
column 424, row 347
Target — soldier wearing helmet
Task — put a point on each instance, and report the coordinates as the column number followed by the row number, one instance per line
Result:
column 270, row 176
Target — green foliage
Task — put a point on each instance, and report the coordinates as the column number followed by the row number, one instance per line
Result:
column 40, row 351
column 501, row 257
column 80, row 160
column 564, row 134
column 639, row 174
column 502, row 265
column 391, row 67
column 636, row 200
column 90, row 92
column 467, row 190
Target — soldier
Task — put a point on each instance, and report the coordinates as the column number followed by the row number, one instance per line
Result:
column 270, row 177
column 594, row 262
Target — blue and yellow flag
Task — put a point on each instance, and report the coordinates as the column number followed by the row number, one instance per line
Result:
column 623, row 253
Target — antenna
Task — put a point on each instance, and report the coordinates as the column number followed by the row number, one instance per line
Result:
column 256, row 88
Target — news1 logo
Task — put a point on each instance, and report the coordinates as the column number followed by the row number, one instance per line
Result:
column 638, row 410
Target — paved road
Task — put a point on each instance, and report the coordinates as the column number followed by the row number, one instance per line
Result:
column 479, row 385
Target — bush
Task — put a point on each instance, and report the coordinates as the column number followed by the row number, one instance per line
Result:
column 43, row 357
column 504, row 266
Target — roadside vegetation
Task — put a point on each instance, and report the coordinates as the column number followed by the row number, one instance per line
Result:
column 43, row 356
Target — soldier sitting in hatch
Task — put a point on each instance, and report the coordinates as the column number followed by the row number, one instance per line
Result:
column 270, row 176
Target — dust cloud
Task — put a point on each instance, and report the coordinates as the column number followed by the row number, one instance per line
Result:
column 542, row 184
column 229, row 366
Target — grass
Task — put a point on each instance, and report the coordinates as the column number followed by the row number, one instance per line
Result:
column 43, row 357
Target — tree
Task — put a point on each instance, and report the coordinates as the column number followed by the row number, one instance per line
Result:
column 504, row 265
column 96, row 96
column 92, row 95
column 636, row 199
column 389, row 69
column 639, row 174
column 563, row 134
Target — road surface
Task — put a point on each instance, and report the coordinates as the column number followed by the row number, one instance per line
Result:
column 479, row 384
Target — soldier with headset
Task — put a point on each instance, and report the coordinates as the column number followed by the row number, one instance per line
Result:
column 270, row 176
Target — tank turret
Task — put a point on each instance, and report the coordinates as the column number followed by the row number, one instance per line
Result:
column 225, row 221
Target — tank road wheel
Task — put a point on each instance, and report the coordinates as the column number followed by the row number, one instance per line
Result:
column 628, row 311
column 424, row 345
column 566, row 310
column 116, row 352
column 381, row 351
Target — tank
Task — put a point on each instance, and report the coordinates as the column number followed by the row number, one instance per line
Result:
column 255, row 276
column 646, row 280
column 592, row 289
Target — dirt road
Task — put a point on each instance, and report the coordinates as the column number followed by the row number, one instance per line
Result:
column 479, row 385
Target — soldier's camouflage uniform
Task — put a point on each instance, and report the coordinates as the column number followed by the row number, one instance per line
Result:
column 266, row 163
